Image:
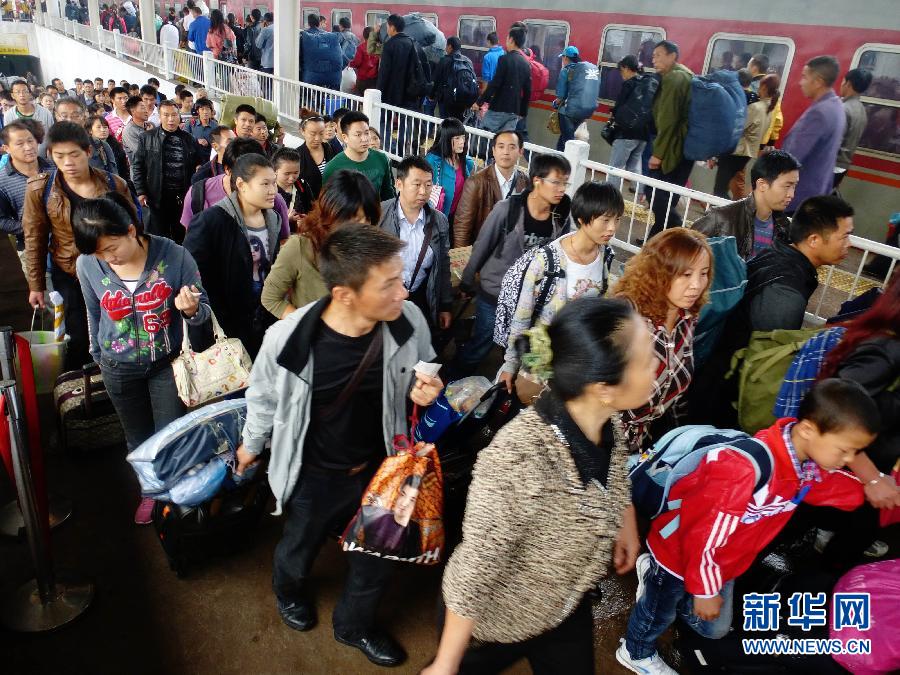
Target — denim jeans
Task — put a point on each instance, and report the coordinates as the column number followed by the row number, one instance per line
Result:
column 473, row 351
column 567, row 127
column 499, row 121
column 665, row 599
column 626, row 154
column 144, row 396
column 323, row 502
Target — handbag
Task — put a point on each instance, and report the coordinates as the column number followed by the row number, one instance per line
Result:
column 401, row 513
column 222, row 369
column 438, row 194
column 553, row 123
column 609, row 131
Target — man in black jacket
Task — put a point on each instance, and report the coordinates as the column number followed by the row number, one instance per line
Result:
column 445, row 89
column 758, row 220
column 509, row 92
column 780, row 282
column 165, row 160
column 400, row 76
column 219, row 139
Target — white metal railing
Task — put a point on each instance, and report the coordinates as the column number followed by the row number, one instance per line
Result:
column 85, row 33
column 145, row 52
column 107, row 40
column 188, row 65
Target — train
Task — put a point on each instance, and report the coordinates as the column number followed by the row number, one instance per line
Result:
column 711, row 34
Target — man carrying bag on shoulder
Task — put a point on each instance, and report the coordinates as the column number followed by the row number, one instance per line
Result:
column 331, row 387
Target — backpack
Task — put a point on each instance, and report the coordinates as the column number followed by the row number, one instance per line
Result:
column 716, row 115
column 804, row 369
column 511, row 289
column 635, row 115
column 727, row 289
column 540, row 77
column 678, row 454
column 761, row 367
column 462, row 85
column 417, row 82
column 198, row 196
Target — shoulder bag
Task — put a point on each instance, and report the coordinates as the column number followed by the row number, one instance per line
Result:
column 222, row 369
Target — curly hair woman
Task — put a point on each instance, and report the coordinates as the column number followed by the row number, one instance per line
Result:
column 668, row 283
column 294, row 280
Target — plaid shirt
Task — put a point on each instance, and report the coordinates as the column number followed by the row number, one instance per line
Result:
column 675, row 353
column 807, row 471
column 804, row 369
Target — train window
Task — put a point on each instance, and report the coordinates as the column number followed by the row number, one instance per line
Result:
column 618, row 41
column 307, row 11
column 547, row 39
column 727, row 51
column 431, row 17
column 376, row 17
column 338, row 14
column 473, row 32
column 882, row 98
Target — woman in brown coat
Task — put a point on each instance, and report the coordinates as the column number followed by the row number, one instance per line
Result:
column 550, row 504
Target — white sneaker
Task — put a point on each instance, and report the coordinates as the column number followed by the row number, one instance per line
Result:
column 876, row 549
column 652, row 665
column 822, row 539
column 641, row 565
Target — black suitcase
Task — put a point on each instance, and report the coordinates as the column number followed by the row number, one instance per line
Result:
column 87, row 419
column 224, row 525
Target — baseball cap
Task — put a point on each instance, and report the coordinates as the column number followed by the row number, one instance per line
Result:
column 569, row 52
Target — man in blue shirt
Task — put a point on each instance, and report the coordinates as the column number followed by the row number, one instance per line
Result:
column 489, row 62
column 198, row 30
column 266, row 43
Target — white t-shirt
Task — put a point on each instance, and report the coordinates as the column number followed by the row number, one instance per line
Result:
column 583, row 280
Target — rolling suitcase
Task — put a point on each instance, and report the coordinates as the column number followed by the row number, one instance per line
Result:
column 224, row 525
column 87, row 419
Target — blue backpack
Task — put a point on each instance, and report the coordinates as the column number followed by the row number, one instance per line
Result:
column 716, row 117
column 726, row 291
column 677, row 454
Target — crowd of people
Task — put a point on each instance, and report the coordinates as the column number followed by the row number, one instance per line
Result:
column 332, row 265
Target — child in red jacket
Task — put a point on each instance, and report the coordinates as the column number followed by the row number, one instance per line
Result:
column 723, row 523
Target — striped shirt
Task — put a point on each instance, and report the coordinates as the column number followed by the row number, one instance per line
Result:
column 12, row 198
column 675, row 368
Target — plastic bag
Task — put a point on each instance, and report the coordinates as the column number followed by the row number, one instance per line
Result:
column 199, row 484
column 456, row 400
column 400, row 517
column 466, row 393
column 881, row 581
column 196, row 438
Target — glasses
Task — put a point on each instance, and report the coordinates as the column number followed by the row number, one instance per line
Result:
column 558, row 183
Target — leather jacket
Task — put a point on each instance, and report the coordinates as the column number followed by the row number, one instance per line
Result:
column 149, row 165
column 736, row 220
column 480, row 194
column 49, row 227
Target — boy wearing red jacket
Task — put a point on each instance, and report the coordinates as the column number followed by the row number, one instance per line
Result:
column 700, row 548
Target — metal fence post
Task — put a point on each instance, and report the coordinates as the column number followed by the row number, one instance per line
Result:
column 577, row 153
column 168, row 67
column 372, row 108
column 99, row 30
column 209, row 70
column 117, row 39
column 49, row 600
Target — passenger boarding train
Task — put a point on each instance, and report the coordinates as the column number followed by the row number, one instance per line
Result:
column 711, row 34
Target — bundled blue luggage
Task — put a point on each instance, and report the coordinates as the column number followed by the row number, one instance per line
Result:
column 202, row 508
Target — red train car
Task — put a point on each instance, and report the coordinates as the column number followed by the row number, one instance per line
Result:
column 711, row 35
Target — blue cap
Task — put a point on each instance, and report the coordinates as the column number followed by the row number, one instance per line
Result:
column 570, row 52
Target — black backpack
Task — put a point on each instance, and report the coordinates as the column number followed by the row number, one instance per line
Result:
column 462, row 85
column 417, row 81
column 636, row 114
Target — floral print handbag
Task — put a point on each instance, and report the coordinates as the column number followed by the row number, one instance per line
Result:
column 222, row 369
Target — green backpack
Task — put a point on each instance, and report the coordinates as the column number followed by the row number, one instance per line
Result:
column 760, row 368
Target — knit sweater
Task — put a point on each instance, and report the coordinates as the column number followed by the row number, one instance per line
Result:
column 536, row 538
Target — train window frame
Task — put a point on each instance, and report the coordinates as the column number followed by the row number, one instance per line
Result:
column 887, row 102
column 634, row 29
column 474, row 17
column 305, row 12
column 428, row 16
column 552, row 22
column 343, row 11
column 774, row 39
column 376, row 11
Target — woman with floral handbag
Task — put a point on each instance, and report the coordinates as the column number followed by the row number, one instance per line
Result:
column 135, row 287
